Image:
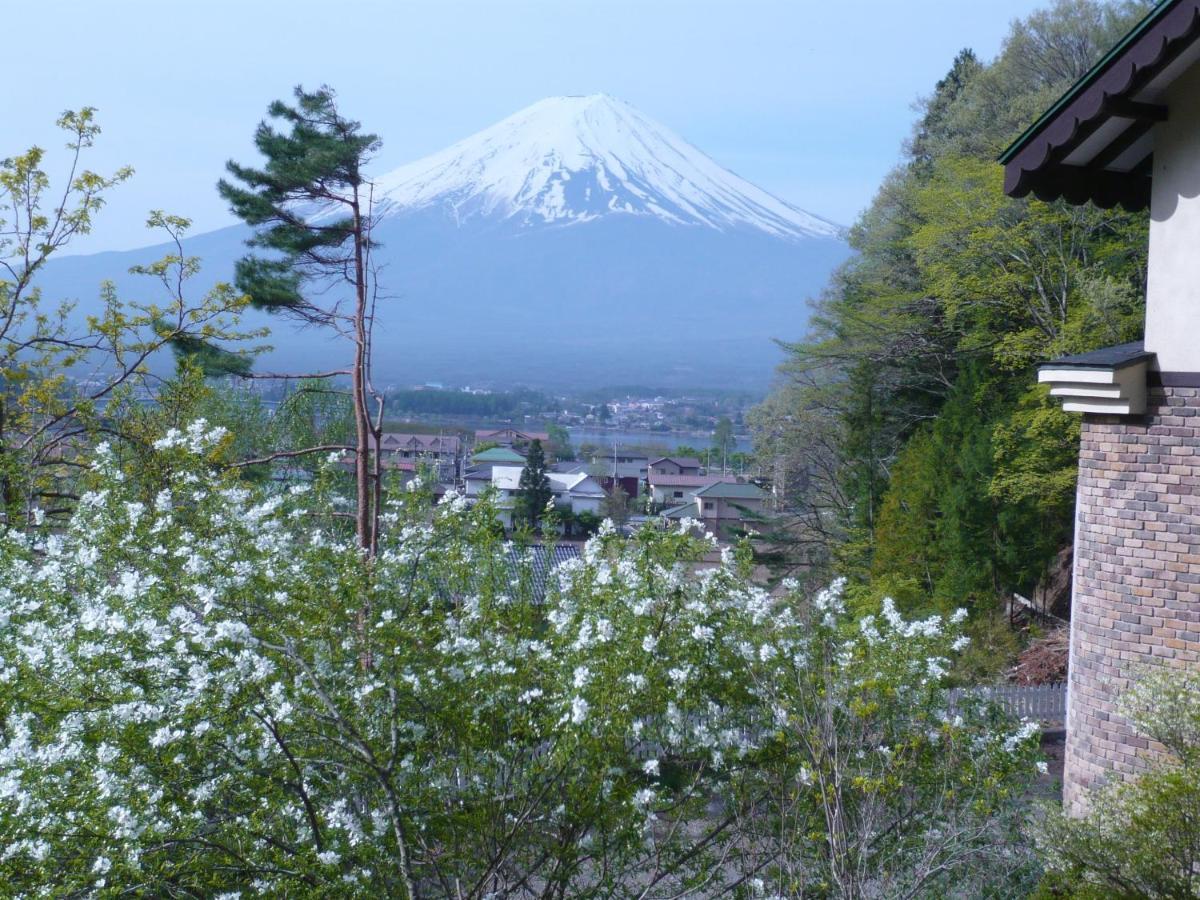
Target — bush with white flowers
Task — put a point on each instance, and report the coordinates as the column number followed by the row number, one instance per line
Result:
column 206, row 689
column 1138, row 837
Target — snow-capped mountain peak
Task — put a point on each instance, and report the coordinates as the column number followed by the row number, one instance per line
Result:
column 566, row 160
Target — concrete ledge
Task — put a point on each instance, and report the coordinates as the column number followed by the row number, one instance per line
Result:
column 1111, row 381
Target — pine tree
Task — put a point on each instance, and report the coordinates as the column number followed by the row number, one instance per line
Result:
column 533, row 490
column 311, row 208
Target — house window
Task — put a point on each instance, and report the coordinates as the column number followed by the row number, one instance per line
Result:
column 679, row 495
column 708, row 504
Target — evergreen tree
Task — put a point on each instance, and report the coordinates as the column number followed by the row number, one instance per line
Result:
column 311, row 208
column 533, row 490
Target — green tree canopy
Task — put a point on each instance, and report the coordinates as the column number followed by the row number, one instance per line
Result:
column 919, row 363
column 533, row 489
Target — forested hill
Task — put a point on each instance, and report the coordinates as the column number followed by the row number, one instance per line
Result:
column 928, row 462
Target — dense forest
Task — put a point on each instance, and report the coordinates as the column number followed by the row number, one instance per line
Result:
column 907, row 424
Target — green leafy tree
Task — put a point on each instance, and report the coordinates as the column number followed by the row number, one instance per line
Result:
column 560, row 443
column 931, row 332
column 1140, row 837
column 723, row 441
column 311, row 207
column 906, row 545
column 57, row 374
column 615, row 505
column 533, row 488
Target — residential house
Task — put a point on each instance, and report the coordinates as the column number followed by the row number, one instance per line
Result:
column 510, row 437
column 721, row 505
column 444, row 451
column 672, row 490
column 675, row 465
column 620, row 468
column 477, row 480
column 1128, row 133
column 574, row 491
column 621, row 464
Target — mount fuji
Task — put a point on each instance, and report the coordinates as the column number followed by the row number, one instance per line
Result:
column 569, row 160
column 577, row 243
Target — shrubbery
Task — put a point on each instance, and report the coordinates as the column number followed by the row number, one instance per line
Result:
column 207, row 689
column 1139, row 838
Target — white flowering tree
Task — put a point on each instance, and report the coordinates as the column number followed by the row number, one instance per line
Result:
column 204, row 691
column 876, row 781
column 1138, row 838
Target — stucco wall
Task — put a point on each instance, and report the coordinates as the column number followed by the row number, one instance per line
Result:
column 661, row 493
column 1136, row 599
column 1173, row 286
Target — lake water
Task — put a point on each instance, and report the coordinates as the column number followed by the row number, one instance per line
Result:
column 605, row 438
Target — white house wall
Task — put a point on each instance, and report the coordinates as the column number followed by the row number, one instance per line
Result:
column 1173, row 287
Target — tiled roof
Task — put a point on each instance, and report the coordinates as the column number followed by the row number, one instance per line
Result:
column 1105, row 358
column 684, row 462
column 528, row 568
column 499, row 455
column 538, row 563
column 1097, row 142
column 510, row 434
column 680, row 512
column 688, row 480
column 423, row 443
column 570, row 468
column 729, row 491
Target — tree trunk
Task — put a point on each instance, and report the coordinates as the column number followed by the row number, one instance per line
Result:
column 7, row 493
column 364, row 520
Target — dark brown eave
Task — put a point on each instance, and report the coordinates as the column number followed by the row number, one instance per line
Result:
column 1116, row 357
column 1096, row 143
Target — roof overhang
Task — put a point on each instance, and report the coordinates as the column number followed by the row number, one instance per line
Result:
column 1097, row 142
column 1111, row 381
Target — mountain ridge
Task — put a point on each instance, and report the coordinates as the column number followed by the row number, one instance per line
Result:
column 482, row 283
column 572, row 159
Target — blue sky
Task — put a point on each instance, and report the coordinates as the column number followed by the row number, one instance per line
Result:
column 810, row 100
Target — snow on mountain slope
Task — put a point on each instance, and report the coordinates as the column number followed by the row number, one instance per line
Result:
column 566, row 160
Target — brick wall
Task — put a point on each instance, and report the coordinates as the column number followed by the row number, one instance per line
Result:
column 1136, row 598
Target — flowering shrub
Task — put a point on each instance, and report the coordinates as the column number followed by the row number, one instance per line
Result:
column 1139, row 838
column 207, row 690
column 873, row 783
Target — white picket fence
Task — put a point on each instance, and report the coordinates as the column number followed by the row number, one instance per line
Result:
column 1043, row 703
